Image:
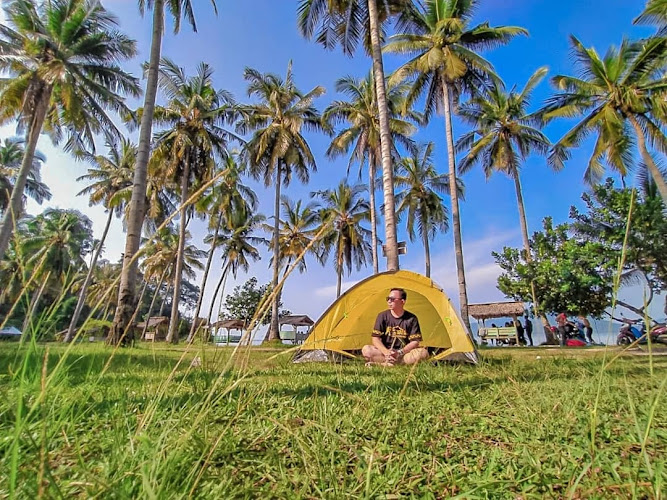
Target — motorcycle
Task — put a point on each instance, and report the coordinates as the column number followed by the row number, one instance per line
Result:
column 635, row 331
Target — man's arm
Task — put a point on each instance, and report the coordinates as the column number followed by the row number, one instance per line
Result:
column 415, row 336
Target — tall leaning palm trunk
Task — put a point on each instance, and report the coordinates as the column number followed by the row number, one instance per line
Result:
column 172, row 334
column 274, row 327
column 41, row 96
column 453, row 195
column 371, row 199
column 89, row 278
column 137, row 203
column 391, row 242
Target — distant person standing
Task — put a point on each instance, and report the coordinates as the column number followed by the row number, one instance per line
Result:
column 588, row 329
column 519, row 332
column 529, row 330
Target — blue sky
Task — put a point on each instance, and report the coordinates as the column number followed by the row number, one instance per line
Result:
column 263, row 34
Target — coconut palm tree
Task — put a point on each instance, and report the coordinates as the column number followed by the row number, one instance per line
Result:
column 655, row 13
column 362, row 132
column 444, row 63
column 345, row 23
column 60, row 239
column 61, row 60
column 137, row 208
column 11, row 155
column 278, row 150
column 503, row 137
column 103, row 291
column 229, row 195
column 111, row 175
column 420, row 197
column 193, row 139
column 343, row 210
column 162, row 253
column 622, row 97
column 298, row 228
column 239, row 247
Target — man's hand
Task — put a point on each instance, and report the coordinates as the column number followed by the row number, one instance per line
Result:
column 391, row 356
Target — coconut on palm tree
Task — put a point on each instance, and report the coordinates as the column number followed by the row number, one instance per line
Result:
column 278, row 150
column 443, row 63
column 503, row 137
column 622, row 98
column 61, row 60
column 110, row 176
column 137, row 207
column 11, row 156
column 346, row 23
column 362, row 132
column 343, row 210
column 420, row 199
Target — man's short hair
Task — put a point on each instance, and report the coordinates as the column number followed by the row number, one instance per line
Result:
column 404, row 294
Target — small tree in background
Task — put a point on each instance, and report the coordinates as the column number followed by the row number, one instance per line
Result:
column 246, row 299
column 570, row 275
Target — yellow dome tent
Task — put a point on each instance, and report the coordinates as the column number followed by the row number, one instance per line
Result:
column 347, row 324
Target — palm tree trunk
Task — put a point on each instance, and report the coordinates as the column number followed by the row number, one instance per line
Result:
column 89, row 277
column 42, row 98
column 648, row 159
column 164, row 299
column 172, row 335
column 136, row 311
column 427, row 251
column 453, row 195
column 225, row 270
column 526, row 245
column 390, row 240
column 371, row 196
column 135, row 217
column 150, row 308
column 33, row 303
column 339, row 278
column 274, row 327
column 191, row 336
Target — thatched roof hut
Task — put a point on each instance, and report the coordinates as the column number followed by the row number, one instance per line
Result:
column 230, row 324
column 296, row 320
column 157, row 328
column 496, row 310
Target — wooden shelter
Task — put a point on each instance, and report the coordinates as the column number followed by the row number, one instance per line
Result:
column 497, row 310
column 158, row 326
column 228, row 325
column 295, row 321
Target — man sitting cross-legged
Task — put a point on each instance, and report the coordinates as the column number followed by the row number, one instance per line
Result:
column 396, row 335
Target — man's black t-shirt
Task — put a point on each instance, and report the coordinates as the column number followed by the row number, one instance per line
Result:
column 397, row 332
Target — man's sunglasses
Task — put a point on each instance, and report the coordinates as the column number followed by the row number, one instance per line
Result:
column 392, row 299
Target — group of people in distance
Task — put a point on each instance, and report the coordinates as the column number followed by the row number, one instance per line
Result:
column 521, row 331
column 578, row 331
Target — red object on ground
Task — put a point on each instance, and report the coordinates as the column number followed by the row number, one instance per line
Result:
column 575, row 343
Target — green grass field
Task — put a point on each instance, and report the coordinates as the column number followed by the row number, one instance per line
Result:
column 134, row 423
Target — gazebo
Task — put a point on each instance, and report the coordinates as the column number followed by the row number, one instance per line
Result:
column 228, row 325
column 497, row 310
column 157, row 328
column 295, row 321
